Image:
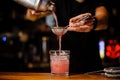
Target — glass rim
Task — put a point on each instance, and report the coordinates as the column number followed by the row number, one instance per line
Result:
column 60, row 27
column 57, row 51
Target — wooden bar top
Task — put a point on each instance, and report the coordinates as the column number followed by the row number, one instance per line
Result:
column 47, row 76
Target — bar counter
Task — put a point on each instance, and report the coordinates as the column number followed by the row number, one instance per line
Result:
column 47, row 76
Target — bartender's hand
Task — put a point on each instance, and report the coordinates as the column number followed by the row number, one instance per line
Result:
column 34, row 15
column 78, row 24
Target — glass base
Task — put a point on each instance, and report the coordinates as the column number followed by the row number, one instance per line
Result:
column 60, row 74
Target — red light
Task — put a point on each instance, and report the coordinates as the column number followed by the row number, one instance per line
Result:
column 113, row 49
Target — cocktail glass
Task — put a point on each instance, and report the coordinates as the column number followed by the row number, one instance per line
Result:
column 59, row 62
column 59, row 31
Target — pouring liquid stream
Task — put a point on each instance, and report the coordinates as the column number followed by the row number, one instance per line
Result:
column 59, row 36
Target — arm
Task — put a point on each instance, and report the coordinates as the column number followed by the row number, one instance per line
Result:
column 101, row 15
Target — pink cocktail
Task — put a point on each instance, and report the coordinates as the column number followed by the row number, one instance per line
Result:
column 59, row 62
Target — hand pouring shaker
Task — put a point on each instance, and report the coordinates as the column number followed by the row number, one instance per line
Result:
column 38, row 5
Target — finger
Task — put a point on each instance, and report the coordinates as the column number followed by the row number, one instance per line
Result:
column 33, row 12
column 81, row 23
column 86, row 28
column 79, row 17
column 76, row 29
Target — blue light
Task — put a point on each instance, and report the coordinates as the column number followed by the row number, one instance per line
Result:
column 4, row 38
column 102, row 49
column 101, row 45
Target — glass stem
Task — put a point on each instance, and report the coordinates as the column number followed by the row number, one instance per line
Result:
column 60, row 45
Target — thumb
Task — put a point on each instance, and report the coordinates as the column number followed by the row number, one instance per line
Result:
column 71, row 29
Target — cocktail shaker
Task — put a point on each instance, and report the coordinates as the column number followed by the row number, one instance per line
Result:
column 38, row 5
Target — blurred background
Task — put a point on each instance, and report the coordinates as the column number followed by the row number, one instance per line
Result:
column 24, row 44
